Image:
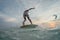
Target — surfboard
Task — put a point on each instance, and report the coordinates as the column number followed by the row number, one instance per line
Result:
column 29, row 26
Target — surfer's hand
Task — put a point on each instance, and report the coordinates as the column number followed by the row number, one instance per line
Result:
column 32, row 8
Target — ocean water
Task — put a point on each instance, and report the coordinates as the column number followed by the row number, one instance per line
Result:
column 17, row 33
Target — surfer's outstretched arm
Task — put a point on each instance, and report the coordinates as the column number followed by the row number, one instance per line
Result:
column 31, row 8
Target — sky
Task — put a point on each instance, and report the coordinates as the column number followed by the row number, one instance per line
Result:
column 11, row 11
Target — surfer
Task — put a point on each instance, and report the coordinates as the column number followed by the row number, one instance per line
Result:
column 55, row 16
column 26, row 15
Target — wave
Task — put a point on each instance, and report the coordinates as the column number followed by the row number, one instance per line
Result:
column 29, row 34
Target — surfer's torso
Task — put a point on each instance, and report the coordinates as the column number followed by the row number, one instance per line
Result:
column 26, row 13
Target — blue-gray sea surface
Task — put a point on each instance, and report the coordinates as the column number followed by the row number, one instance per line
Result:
column 18, row 33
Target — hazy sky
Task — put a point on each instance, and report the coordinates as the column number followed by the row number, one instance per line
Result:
column 11, row 11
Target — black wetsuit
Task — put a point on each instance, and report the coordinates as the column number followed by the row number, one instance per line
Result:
column 26, row 14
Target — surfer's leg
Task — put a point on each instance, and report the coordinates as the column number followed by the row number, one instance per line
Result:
column 29, row 19
column 24, row 20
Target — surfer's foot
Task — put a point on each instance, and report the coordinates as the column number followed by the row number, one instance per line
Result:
column 31, row 23
column 23, row 25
